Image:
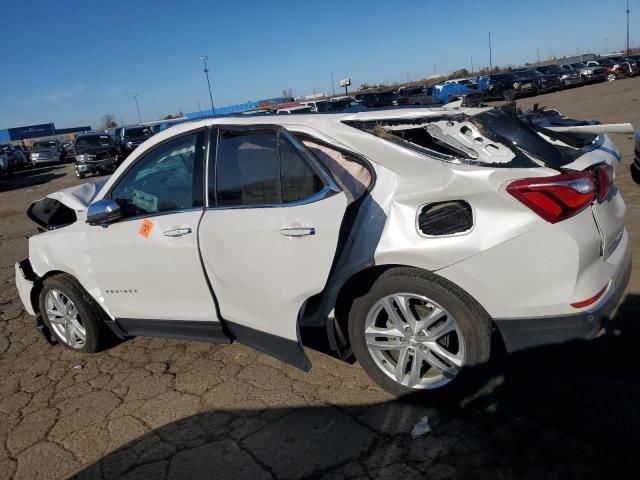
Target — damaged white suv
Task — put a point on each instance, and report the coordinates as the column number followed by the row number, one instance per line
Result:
column 411, row 238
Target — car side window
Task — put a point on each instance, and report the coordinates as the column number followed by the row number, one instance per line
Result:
column 297, row 178
column 260, row 167
column 162, row 180
column 247, row 171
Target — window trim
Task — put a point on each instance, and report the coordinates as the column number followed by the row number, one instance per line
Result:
column 330, row 186
column 197, row 132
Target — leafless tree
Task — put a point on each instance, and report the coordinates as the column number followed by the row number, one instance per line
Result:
column 109, row 121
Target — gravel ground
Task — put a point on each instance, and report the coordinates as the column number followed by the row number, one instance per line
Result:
column 150, row 408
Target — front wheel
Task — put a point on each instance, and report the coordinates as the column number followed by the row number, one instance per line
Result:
column 414, row 332
column 611, row 77
column 71, row 314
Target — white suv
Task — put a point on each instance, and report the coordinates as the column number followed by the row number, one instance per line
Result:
column 408, row 236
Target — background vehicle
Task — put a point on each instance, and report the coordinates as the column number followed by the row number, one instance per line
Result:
column 16, row 157
column 377, row 99
column 95, row 153
column 467, row 82
column 416, row 299
column 506, row 86
column 46, row 151
column 295, row 110
column 543, row 82
column 590, row 73
column 420, row 95
column 68, row 152
column 614, row 69
column 130, row 138
column 567, row 78
column 329, row 106
column 630, row 67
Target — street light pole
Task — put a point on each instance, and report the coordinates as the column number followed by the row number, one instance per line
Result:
column 627, row 52
column 333, row 85
column 490, row 59
column 606, row 44
column 135, row 97
column 206, row 72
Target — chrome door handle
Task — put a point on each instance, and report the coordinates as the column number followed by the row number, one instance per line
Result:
column 177, row 232
column 298, row 231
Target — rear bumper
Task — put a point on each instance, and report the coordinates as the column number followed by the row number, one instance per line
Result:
column 523, row 333
column 25, row 281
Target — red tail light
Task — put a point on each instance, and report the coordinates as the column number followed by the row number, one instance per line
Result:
column 555, row 198
column 604, row 181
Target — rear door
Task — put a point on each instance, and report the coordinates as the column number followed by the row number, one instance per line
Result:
column 269, row 234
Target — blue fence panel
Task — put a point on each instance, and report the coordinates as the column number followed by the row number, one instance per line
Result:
column 32, row 131
column 4, row 136
column 242, row 107
column 64, row 131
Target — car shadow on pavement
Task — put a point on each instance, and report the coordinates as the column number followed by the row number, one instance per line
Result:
column 29, row 178
column 561, row 412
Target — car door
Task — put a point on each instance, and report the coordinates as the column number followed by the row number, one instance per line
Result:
column 269, row 234
column 147, row 265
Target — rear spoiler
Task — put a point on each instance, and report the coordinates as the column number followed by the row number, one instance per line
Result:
column 594, row 129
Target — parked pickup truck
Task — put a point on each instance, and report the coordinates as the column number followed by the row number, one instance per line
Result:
column 506, row 86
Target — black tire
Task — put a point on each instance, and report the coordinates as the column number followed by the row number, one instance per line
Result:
column 473, row 321
column 509, row 95
column 635, row 173
column 89, row 313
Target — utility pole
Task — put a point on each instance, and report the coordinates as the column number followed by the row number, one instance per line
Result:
column 434, row 68
column 606, row 44
column 627, row 52
column 206, row 72
column 538, row 52
column 490, row 58
column 471, row 64
column 199, row 109
column 333, row 85
column 445, row 69
column 135, row 97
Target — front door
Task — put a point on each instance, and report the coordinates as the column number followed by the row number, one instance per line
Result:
column 269, row 236
column 147, row 265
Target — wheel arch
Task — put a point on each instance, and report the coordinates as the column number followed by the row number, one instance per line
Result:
column 357, row 285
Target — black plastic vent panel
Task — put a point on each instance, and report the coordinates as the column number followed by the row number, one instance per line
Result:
column 445, row 218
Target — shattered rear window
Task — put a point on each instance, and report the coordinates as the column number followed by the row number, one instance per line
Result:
column 495, row 138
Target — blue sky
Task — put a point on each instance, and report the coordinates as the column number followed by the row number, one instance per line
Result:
column 73, row 61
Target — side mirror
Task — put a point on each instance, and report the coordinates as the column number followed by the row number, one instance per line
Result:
column 102, row 212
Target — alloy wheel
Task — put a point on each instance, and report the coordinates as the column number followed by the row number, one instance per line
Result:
column 414, row 341
column 63, row 317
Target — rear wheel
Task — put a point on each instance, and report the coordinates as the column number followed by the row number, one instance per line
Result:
column 71, row 315
column 509, row 95
column 415, row 332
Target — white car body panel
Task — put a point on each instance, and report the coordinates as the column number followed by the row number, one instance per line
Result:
column 249, row 276
column 163, row 278
column 515, row 264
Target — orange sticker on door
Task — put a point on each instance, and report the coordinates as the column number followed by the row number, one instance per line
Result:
column 145, row 228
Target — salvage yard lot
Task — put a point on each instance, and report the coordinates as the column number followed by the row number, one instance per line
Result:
column 151, row 408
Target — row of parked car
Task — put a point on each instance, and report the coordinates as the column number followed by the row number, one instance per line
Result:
column 92, row 152
column 510, row 85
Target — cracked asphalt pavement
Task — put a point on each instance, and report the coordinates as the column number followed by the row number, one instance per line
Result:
column 154, row 408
